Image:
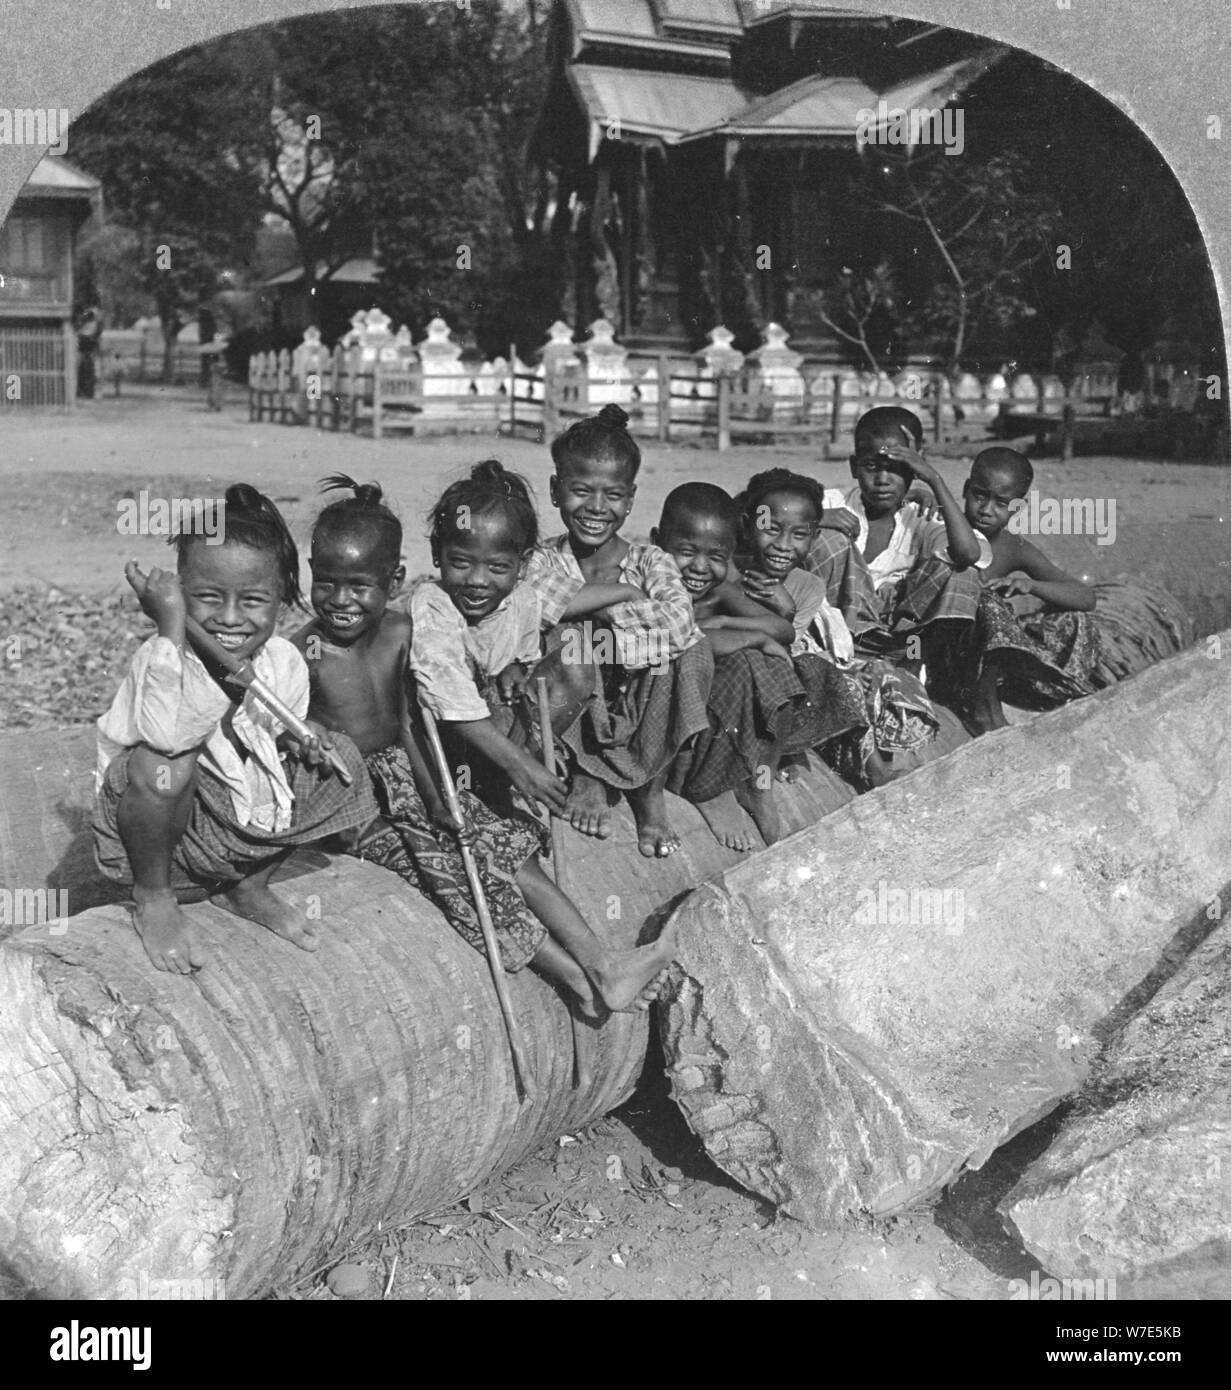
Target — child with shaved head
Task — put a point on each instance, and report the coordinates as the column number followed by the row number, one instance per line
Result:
column 1036, row 641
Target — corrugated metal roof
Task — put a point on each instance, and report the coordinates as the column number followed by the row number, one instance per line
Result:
column 633, row 18
column 55, row 175
column 830, row 106
column 704, row 14
column 762, row 11
column 659, row 104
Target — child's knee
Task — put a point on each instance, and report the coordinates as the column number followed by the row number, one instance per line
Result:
column 161, row 776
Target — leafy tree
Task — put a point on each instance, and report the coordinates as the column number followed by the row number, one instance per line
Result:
column 161, row 144
column 976, row 227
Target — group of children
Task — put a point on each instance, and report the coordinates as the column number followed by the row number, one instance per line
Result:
column 749, row 634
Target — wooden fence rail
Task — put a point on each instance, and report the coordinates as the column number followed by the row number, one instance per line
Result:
column 375, row 380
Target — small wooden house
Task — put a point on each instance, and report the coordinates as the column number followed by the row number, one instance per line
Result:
column 38, row 357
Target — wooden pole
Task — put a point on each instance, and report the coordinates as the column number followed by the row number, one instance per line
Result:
column 520, row 1066
column 664, row 399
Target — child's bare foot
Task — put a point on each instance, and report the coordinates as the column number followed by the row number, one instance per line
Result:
column 760, row 806
column 166, row 933
column 792, row 768
column 254, row 899
column 655, row 837
column 588, row 808
column 729, row 822
column 627, row 981
column 987, row 713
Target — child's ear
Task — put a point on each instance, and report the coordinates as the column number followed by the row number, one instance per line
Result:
column 396, row 580
column 854, row 465
column 654, row 537
column 553, row 489
column 523, row 562
column 435, row 553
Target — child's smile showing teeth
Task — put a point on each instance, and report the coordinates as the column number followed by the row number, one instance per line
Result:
column 232, row 641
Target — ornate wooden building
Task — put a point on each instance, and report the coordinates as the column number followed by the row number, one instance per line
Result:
column 37, row 246
column 702, row 149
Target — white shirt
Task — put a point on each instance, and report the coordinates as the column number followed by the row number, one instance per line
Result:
column 915, row 537
column 169, row 701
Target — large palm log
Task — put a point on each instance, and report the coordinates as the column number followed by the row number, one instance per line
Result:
column 1136, row 1187
column 251, row 1121
column 863, row 1009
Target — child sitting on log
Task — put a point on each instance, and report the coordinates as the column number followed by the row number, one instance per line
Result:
column 370, row 665
column 1036, row 641
column 199, row 791
column 781, row 513
column 650, row 665
column 764, row 706
column 918, row 580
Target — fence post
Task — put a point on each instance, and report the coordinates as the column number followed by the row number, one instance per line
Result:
column 835, row 413
column 724, row 411
column 938, row 407
column 664, row 398
column 512, row 390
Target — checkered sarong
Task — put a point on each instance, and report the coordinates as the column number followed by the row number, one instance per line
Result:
column 762, row 708
column 214, row 850
column 636, row 722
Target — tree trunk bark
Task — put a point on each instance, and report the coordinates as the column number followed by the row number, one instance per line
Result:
column 1136, row 1187
column 256, row 1119
column 861, row 1011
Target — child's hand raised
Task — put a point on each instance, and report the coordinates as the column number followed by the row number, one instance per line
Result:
column 841, row 519
column 161, row 598
column 769, row 592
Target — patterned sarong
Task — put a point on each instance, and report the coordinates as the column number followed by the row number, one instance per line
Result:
column 426, row 856
column 214, row 850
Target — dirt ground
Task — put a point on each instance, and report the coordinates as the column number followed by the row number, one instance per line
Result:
column 631, row 1207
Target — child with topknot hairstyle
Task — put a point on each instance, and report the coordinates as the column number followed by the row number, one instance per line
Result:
column 648, row 664
column 466, row 650
column 199, row 790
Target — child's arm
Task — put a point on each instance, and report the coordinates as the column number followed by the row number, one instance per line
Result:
column 725, row 640
column 1046, row 581
column 735, row 611
column 662, row 614
column 593, row 598
column 527, row 774
column 963, row 546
